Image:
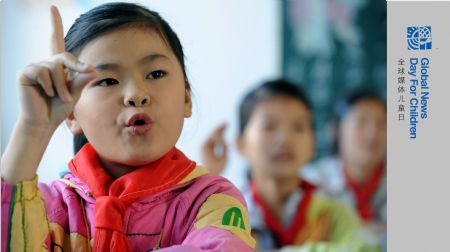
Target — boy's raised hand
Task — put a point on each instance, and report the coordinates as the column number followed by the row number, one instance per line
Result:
column 49, row 89
column 215, row 151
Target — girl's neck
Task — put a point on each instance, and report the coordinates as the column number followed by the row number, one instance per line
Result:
column 115, row 170
column 360, row 173
column 275, row 192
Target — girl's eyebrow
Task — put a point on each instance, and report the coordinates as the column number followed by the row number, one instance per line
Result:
column 146, row 59
column 153, row 57
column 106, row 66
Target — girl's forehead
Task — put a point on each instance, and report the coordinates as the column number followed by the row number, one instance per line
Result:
column 369, row 102
column 129, row 40
column 369, row 105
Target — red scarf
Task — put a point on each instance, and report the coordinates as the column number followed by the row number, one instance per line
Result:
column 363, row 192
column 114, row 196
column 286, row 236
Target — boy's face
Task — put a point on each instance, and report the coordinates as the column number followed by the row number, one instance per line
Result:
column 133, row 113
column 278, row 139
column 363, row 134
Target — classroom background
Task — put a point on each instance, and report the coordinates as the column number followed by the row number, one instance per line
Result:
column 328, row 46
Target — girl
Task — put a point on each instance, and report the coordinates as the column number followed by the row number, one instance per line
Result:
column 119, row 78
column 356, row 174
column 276, row 136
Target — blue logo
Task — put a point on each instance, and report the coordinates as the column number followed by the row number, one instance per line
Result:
column 419, row 37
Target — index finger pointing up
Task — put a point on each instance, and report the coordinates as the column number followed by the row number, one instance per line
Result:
column 57, row 39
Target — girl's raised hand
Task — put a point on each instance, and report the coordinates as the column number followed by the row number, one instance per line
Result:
column 49, row 90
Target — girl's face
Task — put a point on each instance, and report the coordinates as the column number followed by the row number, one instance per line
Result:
column 278, row 139
column 362, row 134
column 133, row 113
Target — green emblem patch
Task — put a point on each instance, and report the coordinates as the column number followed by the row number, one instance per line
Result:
column 233, row 217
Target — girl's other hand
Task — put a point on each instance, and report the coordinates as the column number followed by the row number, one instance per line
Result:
column 215, row 151
column 49, row 90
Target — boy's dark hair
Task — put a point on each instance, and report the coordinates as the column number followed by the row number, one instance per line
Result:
column 346, row 103
column 112, row 16
column 269, row 89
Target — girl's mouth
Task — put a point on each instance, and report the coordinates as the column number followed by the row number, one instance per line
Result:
column 283, row 157
column 139, row 124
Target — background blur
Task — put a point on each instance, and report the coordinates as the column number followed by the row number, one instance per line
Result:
column 327, row 45
column 330, row 47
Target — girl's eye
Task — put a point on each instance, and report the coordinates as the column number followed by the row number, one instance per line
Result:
column 268, row 127
column 156, row 74
column 300, row 128
column 107, row 82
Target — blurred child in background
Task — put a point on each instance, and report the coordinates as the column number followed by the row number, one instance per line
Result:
column 356, row 174
column 276, row 136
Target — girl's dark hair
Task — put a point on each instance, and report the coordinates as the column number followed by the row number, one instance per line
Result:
column 112, row 16
column 79, row 140
column 346, row 103
column 269, row 89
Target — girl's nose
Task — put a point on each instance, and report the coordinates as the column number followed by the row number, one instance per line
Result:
column 283, row 136
column 137, row 101
column 371, row 130
column 136, row 97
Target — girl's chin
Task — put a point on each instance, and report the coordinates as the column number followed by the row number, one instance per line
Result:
column 284, row 174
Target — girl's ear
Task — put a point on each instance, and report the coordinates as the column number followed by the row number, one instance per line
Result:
column 73, row 125
column 187, row 103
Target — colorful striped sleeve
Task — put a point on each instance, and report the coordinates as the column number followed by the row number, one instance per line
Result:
column 24, row 220
column 222, row 224
column 227, row 213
